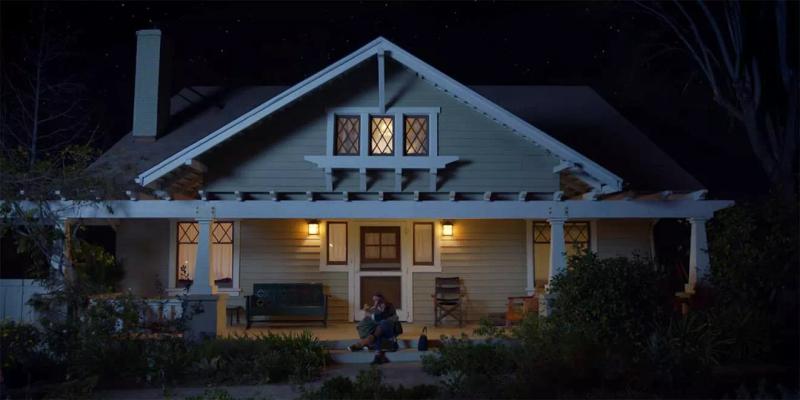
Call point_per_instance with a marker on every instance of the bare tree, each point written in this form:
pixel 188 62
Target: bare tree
pixel 43 107
pixel 747 53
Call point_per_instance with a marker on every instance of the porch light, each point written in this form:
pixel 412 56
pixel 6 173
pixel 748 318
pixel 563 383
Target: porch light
pixel 447 228
pixel 313 228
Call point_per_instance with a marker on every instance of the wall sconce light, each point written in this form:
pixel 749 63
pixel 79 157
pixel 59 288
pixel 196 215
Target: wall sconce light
pixel 313 228
pixel 447 228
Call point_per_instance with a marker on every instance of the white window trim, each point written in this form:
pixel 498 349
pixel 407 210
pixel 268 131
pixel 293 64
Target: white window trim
pixel 323 249
pixel 398 113
pixel 407 269
pixel 172 290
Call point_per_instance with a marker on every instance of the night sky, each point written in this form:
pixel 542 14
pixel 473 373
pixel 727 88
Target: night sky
pixel 617 49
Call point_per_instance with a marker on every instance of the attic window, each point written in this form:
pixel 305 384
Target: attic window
pixel 347 133
pixel 381 136
pixel 416 135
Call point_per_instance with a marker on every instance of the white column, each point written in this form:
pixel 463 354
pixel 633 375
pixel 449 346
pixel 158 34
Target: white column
pixel 558 250
pixel 699 265
pixel 530 271
pixel 202 267
pixel 59 251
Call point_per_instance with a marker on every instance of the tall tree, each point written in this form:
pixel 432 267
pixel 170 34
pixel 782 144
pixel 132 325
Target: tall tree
pixel 43 106
pixel 747 53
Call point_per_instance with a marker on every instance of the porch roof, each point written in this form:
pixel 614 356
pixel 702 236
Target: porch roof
pixel 390 209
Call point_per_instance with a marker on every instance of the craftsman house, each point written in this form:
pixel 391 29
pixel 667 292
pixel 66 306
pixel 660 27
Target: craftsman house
pixel 381 173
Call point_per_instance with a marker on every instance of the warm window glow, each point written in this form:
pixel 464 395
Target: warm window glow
pixel 313 228
pixel 416 136
pixel 221 261
pixel 337 243
pixel 381 136
pixel 447 229
pixel 348 131
pixel 423 243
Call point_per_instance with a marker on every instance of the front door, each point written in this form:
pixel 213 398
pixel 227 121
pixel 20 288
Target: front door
pixel 380 267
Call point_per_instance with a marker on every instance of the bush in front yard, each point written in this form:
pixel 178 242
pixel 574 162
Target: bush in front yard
pixel 616 300
pixel 260 359
pixel 368 385
pixel 472 369
pixel 23 359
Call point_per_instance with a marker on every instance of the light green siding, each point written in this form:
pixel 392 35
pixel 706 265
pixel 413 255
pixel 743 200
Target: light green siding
pixel 280 251
pixel 270 155
pixel 143 250
pixel 624 237
pixel 489 257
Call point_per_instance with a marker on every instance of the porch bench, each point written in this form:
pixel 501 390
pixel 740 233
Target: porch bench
pixel 287 302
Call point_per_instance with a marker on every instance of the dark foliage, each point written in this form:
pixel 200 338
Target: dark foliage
pixel 369 385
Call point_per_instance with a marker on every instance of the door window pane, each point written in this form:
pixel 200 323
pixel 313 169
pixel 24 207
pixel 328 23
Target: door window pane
pixel 380 245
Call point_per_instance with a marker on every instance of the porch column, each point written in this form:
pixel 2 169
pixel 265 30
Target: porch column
pixel 558 250
pixel 699 265
pixel 60 248
pixel 202 266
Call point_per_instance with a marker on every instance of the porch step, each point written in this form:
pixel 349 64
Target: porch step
pixel 366 357
pixel 403 344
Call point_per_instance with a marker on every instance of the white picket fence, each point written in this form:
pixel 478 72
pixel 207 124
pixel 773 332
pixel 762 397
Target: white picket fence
pixel 14 295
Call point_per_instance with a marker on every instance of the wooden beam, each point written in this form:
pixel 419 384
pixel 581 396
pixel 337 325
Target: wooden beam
pixel 381 82
pixel 699 194
pixel 196 165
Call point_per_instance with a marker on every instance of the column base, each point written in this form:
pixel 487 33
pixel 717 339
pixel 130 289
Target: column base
pixel 205 316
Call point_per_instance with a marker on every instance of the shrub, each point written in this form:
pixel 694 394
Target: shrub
pixel 22 356
pixel 754 264
pixel 616 300
pixel 264 358
pixel 368 385
pixel 469 368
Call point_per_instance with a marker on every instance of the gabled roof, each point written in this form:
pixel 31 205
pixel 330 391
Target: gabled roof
pixel 609 180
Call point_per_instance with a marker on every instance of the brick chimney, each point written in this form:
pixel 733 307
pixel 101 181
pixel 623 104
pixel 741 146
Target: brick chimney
pixel 151 88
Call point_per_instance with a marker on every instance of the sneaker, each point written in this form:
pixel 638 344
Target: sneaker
pixel 380 358
pixel 355 347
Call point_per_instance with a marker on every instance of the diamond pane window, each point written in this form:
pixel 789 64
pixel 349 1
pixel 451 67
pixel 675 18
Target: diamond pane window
pixel 221 256
pixel 348 130
pixel 416 139
pixel 381 136
pixel 541 233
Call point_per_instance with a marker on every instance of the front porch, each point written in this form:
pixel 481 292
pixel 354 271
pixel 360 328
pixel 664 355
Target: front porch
pixel 345 332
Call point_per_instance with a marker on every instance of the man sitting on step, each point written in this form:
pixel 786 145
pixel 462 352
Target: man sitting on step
pixel 380 322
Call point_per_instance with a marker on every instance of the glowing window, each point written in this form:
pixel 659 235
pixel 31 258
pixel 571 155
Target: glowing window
pixel 348 131
pixel 221 252
pixel 416 136
pixel 381 136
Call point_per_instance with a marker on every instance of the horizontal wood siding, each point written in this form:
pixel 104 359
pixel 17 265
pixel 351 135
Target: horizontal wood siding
pixel 621 237
pixel 280 251
pixel 270 155
pixel 143 250
pixel 488 256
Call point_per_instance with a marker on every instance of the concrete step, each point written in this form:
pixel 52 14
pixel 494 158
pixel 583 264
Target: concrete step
pixel 403 344
pixel 366 357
